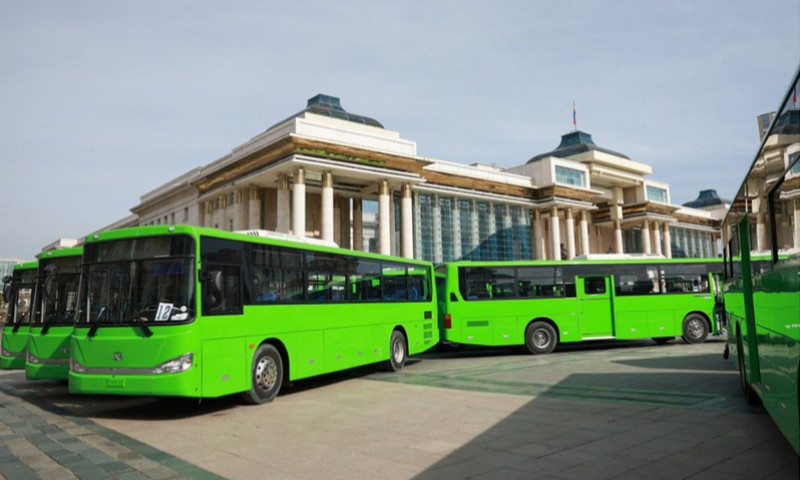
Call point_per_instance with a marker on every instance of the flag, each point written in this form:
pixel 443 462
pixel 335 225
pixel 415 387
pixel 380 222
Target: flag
pixel 574 116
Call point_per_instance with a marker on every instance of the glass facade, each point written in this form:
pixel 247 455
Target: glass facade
pixel 570 176
pixel 469 229
pixel 655 194
pixel 690 243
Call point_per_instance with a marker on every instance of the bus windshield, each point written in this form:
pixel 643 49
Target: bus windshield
pixel 155 283
pixel 59 280
pixel 22 286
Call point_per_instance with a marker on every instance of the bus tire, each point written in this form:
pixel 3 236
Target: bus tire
pixel 398 352
pixel 695 328
pixel 540 337
pixel 266 376
pixel 662 340
pixel 748 393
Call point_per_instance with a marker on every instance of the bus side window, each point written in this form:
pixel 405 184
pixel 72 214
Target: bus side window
pixel 222 290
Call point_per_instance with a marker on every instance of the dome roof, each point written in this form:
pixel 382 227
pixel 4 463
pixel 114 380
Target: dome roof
pixel 331 106
pixel 707 198
pixel 574 143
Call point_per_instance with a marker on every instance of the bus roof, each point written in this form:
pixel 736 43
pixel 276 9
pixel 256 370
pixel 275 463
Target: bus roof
pixel 62 252
pixel 161 230
pixel 33 265
pixel 605 261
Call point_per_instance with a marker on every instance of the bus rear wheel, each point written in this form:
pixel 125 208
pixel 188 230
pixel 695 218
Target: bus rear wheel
pixel 540 337
pixel 266 377
pixel 695 329
pixel 398 352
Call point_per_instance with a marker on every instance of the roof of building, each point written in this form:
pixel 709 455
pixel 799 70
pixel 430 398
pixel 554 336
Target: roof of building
pixel 707 198
pixel 574 143
pixel 331 106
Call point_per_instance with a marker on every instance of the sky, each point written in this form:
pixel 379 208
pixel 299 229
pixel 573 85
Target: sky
pixel 102 102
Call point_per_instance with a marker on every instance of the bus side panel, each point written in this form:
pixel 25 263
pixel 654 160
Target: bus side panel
pixel 222 361
pixel 776 305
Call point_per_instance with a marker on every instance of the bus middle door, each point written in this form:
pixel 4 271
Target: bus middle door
pixel 596 312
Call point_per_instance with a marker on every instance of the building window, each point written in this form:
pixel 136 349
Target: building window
pixel 655 194
pixel 570 176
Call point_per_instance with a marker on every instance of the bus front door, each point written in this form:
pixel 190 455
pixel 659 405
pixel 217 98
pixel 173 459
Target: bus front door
pixel 594 294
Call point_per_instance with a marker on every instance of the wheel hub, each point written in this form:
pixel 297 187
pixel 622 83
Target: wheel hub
pixel 266 373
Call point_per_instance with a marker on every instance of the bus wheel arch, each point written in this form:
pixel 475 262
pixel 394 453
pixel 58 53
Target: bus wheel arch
pixel 268 371
pixel 695 327
pixel 398 350
pixel 541 336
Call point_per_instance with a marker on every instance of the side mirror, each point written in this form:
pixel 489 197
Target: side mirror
pixel 6 291
pixel 212 289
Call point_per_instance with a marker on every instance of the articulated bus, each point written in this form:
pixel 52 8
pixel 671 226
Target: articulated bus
pixel 51 327
pixel 19 292
pixel 542 303
pixel 198 312
pixel 762 299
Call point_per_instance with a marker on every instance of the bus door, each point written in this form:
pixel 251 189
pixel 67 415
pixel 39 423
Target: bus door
pixel 594 295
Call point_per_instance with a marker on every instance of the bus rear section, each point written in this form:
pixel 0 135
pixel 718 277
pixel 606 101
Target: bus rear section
pixel 540 304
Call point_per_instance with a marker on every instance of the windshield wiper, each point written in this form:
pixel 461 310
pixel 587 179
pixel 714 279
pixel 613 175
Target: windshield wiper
pixel 96 324
pixel 142 321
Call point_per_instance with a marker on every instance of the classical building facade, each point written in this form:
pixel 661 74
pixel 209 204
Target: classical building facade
pixel 330 174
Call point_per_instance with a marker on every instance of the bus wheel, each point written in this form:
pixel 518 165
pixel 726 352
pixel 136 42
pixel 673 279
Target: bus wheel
pixel 540 337
pixel 266 377
pixel 695 329
pixel 747 391
pixel 398 352
pixel 662 340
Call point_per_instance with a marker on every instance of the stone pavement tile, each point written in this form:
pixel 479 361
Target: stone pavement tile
pixel 786 473
pixel 505 474
pixel 460 470
pixel 598 470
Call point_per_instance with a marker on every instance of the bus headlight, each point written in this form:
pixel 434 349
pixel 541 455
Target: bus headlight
pixel 176 365
pixel 32 358
pixel 76 367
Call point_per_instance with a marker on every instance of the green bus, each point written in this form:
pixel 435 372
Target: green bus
pixel 540 304
pixel 19 292
pixel 51 328
pixel 762 298
pixel 198 312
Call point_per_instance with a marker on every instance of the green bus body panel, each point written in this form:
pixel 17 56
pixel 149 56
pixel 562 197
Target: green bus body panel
pixel 502 322
pixel 317 338
pixel 15 344
pixel 51 351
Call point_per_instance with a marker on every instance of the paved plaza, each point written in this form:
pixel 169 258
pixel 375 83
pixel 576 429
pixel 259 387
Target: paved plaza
pixel 627 410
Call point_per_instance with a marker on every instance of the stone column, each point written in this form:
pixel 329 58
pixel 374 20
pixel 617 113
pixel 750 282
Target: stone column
pixel 657 237
pixel 407 223
pixel 555 233
pixel 384 218
pixel 667 242
pixel 299 203
pixel 796 215
pixel 282 204
pixel 326 201
pixel 584 228
pixel 254 220
pixel 456 229
pixel 646 237
pixel 219 212
pixel 570 235
pixel 618 248
pixel 236 210
pixel 538 240
pixel 437 229
pixel 358 225
pixel 714 249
